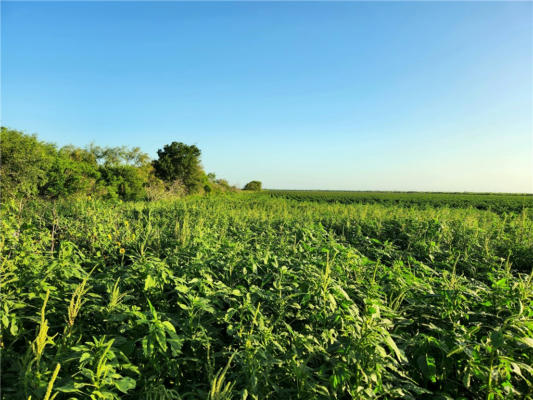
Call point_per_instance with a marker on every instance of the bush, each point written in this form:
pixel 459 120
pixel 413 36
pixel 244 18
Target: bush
pixel 25 163
pixel 157 190
pixel 31 168
pixel 67 176
pixel 253 185
pixel 123 181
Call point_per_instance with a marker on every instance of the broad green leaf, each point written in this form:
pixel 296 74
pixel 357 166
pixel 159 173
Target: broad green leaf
pixel 125 384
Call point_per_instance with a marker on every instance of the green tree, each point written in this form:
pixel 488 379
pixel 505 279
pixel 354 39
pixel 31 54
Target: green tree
pixel 178 161
pixel 253 185
pixel 25 162
pixel 124 172
pixel 123 181
pixel 68 176
pixel 118 155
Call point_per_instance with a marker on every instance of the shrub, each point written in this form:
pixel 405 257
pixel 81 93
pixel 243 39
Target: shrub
pixel 253 185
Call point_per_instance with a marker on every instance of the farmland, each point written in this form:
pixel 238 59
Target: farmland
pixel 496 202
pixel 268 296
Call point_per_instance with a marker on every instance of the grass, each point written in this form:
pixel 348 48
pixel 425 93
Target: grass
pixel 253 297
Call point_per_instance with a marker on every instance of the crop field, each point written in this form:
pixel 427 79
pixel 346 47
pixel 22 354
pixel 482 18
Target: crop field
pixel 496 202
pixel 250 296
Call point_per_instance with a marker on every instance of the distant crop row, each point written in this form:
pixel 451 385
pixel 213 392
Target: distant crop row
pixel 250 297
pixel 499 203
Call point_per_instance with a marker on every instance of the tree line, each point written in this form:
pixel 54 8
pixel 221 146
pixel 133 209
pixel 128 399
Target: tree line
pixel 30 167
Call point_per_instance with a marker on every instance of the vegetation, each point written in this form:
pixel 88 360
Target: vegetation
pixel 31 168
pixel 260 295
pixel 497 202
pixel 24 162
pixel 177 161
pixel 253 185
pixel 249 296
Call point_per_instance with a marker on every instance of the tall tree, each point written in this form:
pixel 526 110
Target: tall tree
pixel 178 161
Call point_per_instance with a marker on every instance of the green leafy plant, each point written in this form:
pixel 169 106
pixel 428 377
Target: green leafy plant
pixel 261 296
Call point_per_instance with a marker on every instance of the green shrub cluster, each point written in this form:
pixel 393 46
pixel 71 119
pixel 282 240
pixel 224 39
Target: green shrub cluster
pixel 248 296
pixel 253 186
pixel 31 168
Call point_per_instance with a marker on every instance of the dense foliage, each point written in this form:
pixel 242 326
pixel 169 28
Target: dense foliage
pixel 246 296
pixel 178 161
pixel 253 185
pixel 32 168
pixel 25 162
pixel 497 202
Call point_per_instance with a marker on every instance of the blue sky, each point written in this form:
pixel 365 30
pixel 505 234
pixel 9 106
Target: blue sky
pixel 362 96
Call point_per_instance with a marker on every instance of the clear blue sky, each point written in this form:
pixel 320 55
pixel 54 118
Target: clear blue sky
pixel 385 96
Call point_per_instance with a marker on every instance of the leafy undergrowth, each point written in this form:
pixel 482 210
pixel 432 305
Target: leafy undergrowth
pixel 246 296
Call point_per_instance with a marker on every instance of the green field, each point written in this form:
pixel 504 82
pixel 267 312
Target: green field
pixel 497 202
pixel 260 296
